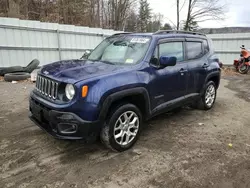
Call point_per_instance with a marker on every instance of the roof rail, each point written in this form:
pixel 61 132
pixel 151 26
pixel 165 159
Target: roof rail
pixel 124 33
pixel 177 31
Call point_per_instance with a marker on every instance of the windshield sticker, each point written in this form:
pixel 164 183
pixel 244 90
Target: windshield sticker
pixel 139 40
pixel 129 61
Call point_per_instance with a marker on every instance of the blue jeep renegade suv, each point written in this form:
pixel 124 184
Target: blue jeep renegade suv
pixel 127 79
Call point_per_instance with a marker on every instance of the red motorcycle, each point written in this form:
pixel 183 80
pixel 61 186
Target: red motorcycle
pixel 242 65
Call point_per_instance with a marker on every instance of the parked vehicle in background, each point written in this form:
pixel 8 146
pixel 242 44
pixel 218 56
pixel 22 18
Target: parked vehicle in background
pixel 127 79
pixel 242 64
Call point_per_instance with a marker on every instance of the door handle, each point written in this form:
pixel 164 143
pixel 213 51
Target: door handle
pixel 205 65
pixel 183 70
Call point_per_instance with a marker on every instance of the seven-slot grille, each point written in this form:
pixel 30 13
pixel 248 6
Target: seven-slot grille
pixel 47 87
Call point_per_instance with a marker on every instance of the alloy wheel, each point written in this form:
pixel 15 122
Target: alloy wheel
pixel 210 95
pixel 126 128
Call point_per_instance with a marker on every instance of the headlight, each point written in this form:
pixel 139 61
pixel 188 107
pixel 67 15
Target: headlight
pixel 69 91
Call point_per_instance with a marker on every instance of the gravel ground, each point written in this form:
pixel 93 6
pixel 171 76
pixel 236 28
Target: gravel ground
pixel 185 149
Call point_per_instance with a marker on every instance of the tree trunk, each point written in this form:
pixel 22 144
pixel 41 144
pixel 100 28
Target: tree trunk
pixel 64 10
pixel 178 14
pixel 103 15
pixel 26 9
pixel 98 15
pixel 14 8
pixel 188 16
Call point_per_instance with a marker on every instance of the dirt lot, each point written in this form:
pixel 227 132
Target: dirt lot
pixel 185 149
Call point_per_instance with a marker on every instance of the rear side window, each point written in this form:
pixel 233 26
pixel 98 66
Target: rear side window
pixel 206 46
pixel 172 49
pixel 194 50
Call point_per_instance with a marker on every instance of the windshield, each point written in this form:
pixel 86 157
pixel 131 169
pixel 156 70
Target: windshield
pixel 121 50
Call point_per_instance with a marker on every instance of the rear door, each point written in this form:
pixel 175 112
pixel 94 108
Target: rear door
pixel 196 52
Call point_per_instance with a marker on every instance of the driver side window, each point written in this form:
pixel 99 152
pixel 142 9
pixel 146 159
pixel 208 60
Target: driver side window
pixel 172 49
pixel 168 49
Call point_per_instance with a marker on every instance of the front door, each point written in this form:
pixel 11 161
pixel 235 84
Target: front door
pixel 169 85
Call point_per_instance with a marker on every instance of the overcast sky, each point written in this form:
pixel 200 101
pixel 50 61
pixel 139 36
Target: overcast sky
pixel 237 12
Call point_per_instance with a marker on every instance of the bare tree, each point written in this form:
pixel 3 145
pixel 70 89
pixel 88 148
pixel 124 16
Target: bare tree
pixel 14 8
pixel 186 27
pixel 178 12
pixel 111 14
pixel 155 23
pixel 203 10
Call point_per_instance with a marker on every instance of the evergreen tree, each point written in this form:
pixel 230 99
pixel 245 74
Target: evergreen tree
pixel 166 26
pixel 144 16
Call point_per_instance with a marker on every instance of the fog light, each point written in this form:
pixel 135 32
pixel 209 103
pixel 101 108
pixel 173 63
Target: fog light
pixel 67 128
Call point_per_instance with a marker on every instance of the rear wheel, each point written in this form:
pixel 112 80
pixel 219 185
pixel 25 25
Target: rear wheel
pixel 208 98
pixel 243 69
pixel 122 128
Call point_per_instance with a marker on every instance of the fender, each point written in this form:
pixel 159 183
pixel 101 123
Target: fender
pixel 121 94
pixel 210 75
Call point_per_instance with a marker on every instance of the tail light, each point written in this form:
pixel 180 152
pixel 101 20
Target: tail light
pixel 215 59
pixel 220 64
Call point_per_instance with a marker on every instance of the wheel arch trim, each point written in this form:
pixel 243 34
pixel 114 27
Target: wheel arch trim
pixel 121 94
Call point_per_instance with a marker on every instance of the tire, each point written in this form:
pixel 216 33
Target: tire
pixel 108 132
pixel 16 76
pixel 245 70
pixel 202 104
pixel 6 70
pixel 31 66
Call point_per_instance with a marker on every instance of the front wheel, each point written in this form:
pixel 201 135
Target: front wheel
pixel 208 97
pixel 122 128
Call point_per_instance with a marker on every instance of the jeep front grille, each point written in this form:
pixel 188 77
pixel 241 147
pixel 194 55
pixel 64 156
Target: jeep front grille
pixel 47 87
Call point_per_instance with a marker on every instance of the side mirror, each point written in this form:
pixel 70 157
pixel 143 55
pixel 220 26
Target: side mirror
pixel 166 61
pixel 86 54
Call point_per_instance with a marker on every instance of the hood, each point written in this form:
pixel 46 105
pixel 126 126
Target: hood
pixel 72 71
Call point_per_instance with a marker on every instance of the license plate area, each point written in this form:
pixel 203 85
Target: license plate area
pixel 36 111
pixel 41 114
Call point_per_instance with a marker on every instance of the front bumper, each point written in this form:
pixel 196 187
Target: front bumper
pixel 63 125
